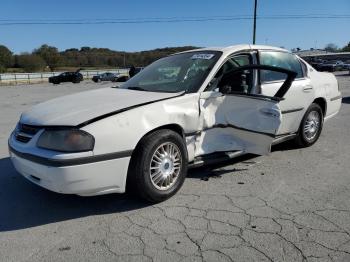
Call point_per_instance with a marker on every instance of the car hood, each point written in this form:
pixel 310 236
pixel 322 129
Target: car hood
pixel 76 109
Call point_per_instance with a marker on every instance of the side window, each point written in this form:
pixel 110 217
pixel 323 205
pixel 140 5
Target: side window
pixel 242 60
pixel 233 63
pixel 241 82
pixel 237 82
pixel 279 59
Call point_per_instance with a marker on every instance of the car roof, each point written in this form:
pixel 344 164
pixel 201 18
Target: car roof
pixel 236 48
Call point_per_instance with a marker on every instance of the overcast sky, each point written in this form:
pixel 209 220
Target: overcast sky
pixel 134 25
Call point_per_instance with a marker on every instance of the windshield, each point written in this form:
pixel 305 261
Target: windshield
pixel 176 73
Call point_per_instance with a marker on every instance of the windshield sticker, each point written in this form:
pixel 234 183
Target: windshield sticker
pixel 203 56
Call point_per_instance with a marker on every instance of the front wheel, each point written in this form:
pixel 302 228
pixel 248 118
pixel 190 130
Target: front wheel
pixel 310 126
pixel 159 166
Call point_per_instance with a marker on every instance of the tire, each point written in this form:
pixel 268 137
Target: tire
pixel 76 81
pixel 146 178
pixel 314 119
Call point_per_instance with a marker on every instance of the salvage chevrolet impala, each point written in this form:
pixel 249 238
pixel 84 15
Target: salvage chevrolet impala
pixel 184 110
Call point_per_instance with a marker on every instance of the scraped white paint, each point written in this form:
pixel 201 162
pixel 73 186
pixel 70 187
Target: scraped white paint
pixel 221 114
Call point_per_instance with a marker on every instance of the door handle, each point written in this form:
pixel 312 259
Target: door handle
pixel 270 112
pixel 307 88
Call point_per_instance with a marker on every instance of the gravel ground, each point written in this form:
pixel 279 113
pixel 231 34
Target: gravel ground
pixel 292 205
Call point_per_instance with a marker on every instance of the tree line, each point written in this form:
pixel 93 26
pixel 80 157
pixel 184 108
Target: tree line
pixel 49 58
pixel 331 47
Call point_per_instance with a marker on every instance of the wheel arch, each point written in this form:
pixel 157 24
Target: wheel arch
pixel 174 127
pixel 322 103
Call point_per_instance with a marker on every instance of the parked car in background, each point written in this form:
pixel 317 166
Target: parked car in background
pixel 138 69
pixel 331 66
pixel 105 77
pixel 134 70
pixel 316 63
pixel 74 77
pixel 346 65
pixel 188 109
pixel 111 77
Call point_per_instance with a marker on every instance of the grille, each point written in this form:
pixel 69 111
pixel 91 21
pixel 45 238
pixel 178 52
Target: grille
pixel 24 133
pixel 23 139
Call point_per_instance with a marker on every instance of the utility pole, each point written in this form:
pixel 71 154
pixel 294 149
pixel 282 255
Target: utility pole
pixel 254 26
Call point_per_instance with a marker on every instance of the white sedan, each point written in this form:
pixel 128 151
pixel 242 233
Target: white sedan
pixel 187 109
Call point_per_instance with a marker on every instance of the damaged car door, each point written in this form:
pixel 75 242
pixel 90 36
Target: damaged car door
pixel 233 118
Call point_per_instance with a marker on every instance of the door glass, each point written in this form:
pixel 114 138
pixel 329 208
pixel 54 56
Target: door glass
pixel 242 82
pixel 279 59
pixel 242 60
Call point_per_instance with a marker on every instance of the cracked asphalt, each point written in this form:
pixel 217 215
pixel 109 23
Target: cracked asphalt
pixel 293 205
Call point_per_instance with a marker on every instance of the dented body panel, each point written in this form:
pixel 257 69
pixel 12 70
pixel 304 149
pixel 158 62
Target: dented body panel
pixel 237 123
pixel 182 111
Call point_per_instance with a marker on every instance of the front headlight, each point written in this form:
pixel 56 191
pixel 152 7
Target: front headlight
pixel 66 140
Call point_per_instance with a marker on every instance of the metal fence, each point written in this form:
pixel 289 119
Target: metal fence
pixel 17 78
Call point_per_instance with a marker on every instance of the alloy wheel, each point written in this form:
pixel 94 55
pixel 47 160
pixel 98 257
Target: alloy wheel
pixel 312 125
pixel 165 166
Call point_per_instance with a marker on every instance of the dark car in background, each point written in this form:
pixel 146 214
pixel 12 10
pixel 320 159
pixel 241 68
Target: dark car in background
pixel 331 66
pixel 317 63
pixel 106 77
pixel 346 65
pixel 138 69
pixel 110 77
pixel 74 77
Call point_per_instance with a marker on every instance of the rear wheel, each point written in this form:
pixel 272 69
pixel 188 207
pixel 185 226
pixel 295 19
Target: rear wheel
pixel 310 126
pixel 159 166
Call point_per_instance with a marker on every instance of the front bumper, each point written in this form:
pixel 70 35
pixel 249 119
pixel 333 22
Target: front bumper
pixel 93 178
